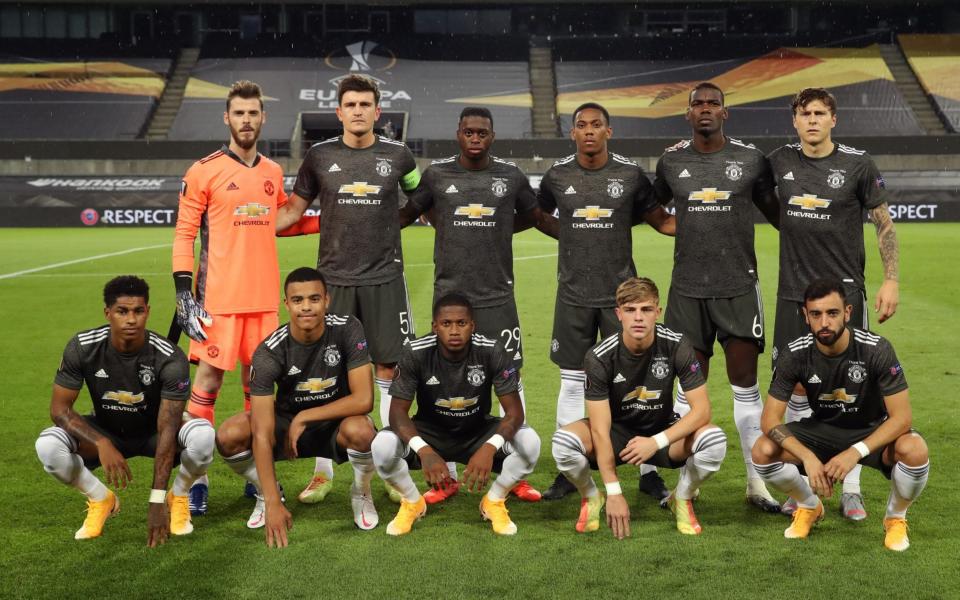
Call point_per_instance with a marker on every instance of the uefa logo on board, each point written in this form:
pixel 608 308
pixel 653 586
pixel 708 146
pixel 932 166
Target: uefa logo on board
pixel 89 216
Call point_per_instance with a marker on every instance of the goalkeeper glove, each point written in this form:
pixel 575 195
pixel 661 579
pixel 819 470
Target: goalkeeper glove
pixel 190 314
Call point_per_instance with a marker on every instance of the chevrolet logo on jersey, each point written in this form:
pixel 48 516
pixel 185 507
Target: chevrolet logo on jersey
pixel 838 395
pixel 809 202
pixel 252 209
pixel 123 397
pixel 359 189
pixel 642 394
pixel 593 213
pixel 315 385
pixel 458 403
pixel 474 211
pixel 709 195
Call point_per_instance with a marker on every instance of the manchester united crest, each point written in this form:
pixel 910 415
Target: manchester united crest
pixel 734 171
pixel 856 373
pixel 835 179
pixel 383 167
pixel 660 368
pixel 615 188
pixel 268 188
pixel 499 187
pixel 475 375
pixel 146 375
pixel 331 356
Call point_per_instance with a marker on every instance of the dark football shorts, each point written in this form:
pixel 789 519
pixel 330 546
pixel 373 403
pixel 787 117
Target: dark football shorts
pixel 703 320
pixel 502 323
pixel 384 311
pixel 145 445
pixel 790 323
pixel 575 331
pixel 826 441
pixel 318 439
pixel 621 434
pixel 460 447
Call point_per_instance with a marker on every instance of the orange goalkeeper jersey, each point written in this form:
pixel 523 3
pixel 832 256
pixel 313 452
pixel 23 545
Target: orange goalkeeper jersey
pixel 234 207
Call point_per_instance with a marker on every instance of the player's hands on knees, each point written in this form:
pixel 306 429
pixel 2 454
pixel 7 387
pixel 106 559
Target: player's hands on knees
pixel 278 523
pixel 888 297
pixel 114 465
pixel 638 450
pixel 841 464
pixel 158 524
pixel 297 428
pixel 618 516
pixel 477 473
pixel 822 484
pixel 434 469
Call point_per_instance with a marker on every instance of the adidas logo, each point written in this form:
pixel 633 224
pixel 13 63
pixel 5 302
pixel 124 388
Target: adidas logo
pixel 788 176
pixel 433 381
pixel 101 374
pixel 517 356
pixel 684 173
pixel 814 379
pixel 334 168
pixel 619 378
pixel 232 187
pixel 293 370
pixel 570 191
pixel 453 189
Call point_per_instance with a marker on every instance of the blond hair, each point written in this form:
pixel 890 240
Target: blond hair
pixel 245 89
pixel 637 289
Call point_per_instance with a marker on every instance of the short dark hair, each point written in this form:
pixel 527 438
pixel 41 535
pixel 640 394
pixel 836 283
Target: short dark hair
pixel 706 85
pixel 594 105
pixel 304 274
pixel 125 285
pixel 823 287
pixel 808 95
pixel 358 83
pixel 245 89
pixel 452 299
pixel 475 111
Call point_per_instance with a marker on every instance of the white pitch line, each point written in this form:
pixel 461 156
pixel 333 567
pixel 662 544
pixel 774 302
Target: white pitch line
pixel 80 260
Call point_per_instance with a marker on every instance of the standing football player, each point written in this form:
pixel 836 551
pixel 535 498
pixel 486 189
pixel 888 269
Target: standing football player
pixel 138 382
pixel 824 187
pixel 599 196
pixel 714 181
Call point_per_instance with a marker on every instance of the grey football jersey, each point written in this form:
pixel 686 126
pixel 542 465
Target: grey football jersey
pixel 846 390
pixel 714 195
pixel 639 387
pixel 359 202
pixel 126 389
pixel 454 395
pixel 309 375
pixel 821 215
pixel 474 213
pixel 596 212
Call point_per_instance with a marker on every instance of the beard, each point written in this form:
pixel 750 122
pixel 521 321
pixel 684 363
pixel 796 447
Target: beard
pixel 828 337
pixel 245 144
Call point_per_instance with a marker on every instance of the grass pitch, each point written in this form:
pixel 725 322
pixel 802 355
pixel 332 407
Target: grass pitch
pixel 451 553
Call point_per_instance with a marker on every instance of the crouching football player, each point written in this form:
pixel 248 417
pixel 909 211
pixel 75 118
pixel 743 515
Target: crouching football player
pixel 138 382
pixel 311 394
pixel 861 415
pixel 451 374
pixel 629 397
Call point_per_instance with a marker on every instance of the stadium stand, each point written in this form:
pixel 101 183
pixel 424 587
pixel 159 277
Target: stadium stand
pixel 935 58
pixel 103 99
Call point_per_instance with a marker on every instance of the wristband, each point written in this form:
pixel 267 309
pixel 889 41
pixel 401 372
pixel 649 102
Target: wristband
pixel 417 443
pixel 497 441
pixel 158 496
pixel 183 281
pixel 661 440
pixel 861 449
pixel 613 489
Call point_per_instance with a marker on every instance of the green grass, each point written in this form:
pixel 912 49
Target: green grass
pixel 741 553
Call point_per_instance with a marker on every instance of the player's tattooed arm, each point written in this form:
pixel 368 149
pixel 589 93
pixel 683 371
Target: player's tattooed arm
pixel 63 416
pixel 887 240
pixel 779 433
pixel 168 424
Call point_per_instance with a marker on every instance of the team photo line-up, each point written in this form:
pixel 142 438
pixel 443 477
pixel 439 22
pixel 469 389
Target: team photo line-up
pixel 632 389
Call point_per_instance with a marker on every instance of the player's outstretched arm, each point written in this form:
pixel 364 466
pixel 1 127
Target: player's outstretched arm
pixel 262 422
pixel 888 297
pixel 168 424
pixel 115 467
pixel 358 402
pixel 290 212
pixel 618 511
